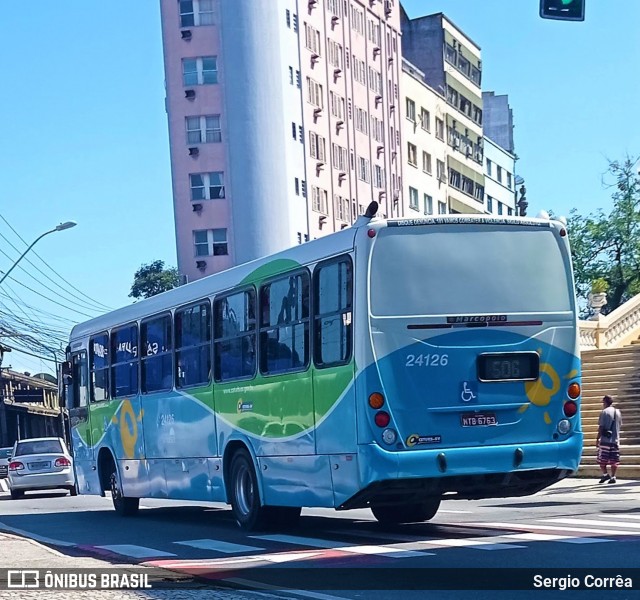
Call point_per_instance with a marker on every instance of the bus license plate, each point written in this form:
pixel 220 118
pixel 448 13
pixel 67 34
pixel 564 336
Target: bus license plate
pixel 478 419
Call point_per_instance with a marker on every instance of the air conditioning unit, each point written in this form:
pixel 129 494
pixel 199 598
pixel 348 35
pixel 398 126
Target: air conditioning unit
pixel 456 142
pixel 194 151
pixel 186 34
pixel 189 94
pixel 197 207
pixel 201 264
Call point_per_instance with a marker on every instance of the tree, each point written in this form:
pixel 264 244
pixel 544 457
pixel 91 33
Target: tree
pixel 607 246
pixel 152 279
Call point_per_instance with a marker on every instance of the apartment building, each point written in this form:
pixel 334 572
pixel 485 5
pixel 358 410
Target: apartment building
pixel 451 64
pixel 425 190
pixel 284 122
pixel 499 179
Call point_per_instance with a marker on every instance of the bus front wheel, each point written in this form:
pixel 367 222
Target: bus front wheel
pixel 245 496
pixel 406 513
pixel 125 507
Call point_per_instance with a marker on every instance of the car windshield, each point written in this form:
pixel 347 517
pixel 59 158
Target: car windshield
pixel 38 447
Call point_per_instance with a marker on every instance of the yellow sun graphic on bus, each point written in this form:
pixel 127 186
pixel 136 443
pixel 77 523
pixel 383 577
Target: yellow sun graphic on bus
pixel 128 427
pixel 541 391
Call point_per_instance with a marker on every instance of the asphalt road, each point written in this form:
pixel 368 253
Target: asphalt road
pixel 574 525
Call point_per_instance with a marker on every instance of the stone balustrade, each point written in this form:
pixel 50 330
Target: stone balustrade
pixel 618 328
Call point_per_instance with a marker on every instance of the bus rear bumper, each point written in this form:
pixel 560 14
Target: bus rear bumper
pixel 462 473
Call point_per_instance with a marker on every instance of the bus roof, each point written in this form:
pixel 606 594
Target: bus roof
pixel 313 251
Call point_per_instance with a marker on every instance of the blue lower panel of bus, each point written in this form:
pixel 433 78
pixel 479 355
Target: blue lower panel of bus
pixel 498 471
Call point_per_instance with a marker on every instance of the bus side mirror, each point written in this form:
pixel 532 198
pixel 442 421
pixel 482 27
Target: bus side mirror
pixel 64 381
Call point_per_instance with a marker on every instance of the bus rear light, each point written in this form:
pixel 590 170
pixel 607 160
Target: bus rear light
pixel 371 233
pixel 62 462
pixel 564 426
pixel 573 391
pixel 376 400
pixel 570 408
pixel 382 418
pixel 16 465
pixel 389 436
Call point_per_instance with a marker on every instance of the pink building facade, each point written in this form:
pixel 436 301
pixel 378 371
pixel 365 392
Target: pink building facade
pixel 284 122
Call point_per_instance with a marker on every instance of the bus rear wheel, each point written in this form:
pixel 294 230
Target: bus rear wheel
pixel 406 513
pixel 245 500
pixel 125 507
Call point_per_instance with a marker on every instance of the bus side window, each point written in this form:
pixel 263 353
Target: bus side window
pixel 284 326
pixel 99 367
pixel 333 298
pixel 193 345
pixel 79 396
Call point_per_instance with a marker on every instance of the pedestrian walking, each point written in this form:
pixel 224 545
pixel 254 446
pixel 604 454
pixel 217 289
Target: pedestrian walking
pixel 608 440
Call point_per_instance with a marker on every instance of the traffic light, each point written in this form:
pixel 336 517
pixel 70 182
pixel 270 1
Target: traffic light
pixel 565 10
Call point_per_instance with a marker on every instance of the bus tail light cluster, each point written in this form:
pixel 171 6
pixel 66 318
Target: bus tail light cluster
pixel 382 418
pixel 16 465
pixel 570 407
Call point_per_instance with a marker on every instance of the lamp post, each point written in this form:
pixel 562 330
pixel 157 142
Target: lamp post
pixel 61 227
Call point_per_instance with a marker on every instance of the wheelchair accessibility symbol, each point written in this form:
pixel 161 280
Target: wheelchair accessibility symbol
pixel 469 391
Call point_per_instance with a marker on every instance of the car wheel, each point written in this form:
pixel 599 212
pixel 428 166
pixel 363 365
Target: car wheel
pixel 125 507
pixel 73 490
pixel 17 494
pixel 406 513
pixel 245 496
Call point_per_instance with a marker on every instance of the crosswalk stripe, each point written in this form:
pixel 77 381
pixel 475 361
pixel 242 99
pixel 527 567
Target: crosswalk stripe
pixel 594 522
pixel 525 527
pixel 389 551
pixel 134 551
pixel 219 546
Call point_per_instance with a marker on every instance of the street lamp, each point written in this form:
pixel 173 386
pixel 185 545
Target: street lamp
pixel 61 227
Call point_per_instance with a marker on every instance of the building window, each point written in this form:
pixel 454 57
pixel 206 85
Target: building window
pixel 509 211
pixel 193 345
pixel 413 198
pixel 340 158
pixel 319 200
pixel 341 208
pixel 442 208
pixel 207 186
pixel 284 324
pixel 363 169
pixel 295 22
pixel 312 39
pixel 509 183
pixel 426 162
pixel 425 119
pixel 196 12
pixel 439 129
pixel 291 75
pixel 499 208
pixel 294 131
pixel 297 186
pixel 235 335
pixel 411 110
pixel 428 205
pixel 440 170
pixel 317 146
pixel 314 93
pixel 489 167
pixel 499 173
pixel 335 54
pixel 210 242
pixel 288 18
pixel 337 105
pixel 203 130
pixel 378 177
pixel 200 71
pixel 490 204
pixel 412 154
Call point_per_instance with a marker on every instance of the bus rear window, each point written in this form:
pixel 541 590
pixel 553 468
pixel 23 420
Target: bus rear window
pixel 449 271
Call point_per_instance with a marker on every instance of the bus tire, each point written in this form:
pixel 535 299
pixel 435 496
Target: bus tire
pixel 125 507
pixel 245 495
pixel 406 513
pixel 287 517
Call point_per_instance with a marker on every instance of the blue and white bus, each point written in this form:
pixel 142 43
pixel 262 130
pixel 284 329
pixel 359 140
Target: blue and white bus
pixel 388 365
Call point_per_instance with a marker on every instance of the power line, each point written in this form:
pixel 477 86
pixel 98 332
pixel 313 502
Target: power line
pixel 96 302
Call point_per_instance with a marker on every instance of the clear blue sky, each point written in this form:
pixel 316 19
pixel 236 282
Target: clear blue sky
pixel 83 131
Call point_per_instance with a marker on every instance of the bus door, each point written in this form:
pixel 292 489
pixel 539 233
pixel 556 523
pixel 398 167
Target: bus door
pixel 332 331
pixel 79 432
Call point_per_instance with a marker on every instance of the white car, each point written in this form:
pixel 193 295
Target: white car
pixel 5 453
pixel 41 464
